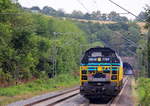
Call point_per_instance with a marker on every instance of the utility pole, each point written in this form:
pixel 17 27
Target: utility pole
pixel 54 53
pixel 148 52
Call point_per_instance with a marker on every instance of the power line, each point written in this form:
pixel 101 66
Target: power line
pixel 95 4
pixel 123 13
pixel 133 43
pixel 127 10
pixel 83 6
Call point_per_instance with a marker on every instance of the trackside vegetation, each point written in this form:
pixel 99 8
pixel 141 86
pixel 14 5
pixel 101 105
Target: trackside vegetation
pixel 24 91
pixel 33 46
pixel 143 82
pixel 38 53
pixel 143 91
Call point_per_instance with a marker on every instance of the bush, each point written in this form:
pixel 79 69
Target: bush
pixel 61 81
pixel 5 78
pixel 144 91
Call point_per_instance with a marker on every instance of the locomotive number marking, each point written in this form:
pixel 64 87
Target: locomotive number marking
pixel 99 79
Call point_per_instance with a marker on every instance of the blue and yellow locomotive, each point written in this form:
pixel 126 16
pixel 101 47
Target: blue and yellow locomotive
pixel 101 73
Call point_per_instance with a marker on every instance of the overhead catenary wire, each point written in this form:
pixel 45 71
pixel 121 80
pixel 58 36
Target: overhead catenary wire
pixel 83 5
pixel 127 39
pixel 127 11
pixel 133 43
pixel 132 15
pixel 94 1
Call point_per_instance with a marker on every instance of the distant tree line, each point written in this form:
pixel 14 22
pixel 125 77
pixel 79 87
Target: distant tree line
pixel 122 37
pixel 95 15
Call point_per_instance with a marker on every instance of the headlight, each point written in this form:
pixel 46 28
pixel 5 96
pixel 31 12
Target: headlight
pixel 114 77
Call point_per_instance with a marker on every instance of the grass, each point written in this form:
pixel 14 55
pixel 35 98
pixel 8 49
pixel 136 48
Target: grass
pixel 134 92
pixel 37 87
pixel 142 91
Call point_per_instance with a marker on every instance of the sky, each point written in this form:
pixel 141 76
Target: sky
pixel 134 6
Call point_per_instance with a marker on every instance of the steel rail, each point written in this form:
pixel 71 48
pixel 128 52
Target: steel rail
pixel 55 96
pixel 111 102
pixel 116 99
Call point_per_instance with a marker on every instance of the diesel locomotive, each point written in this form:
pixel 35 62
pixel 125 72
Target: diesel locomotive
pixel 101 73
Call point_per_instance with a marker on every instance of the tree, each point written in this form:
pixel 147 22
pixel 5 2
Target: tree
pixel 96 15
pixel 113 16
pixel 27 41
pixel 148 44
pixel 60 13
pixel 36 8
pixel 104 17
pixel 77 14
pixel 87 16
pixel 141 16
pixel 49 11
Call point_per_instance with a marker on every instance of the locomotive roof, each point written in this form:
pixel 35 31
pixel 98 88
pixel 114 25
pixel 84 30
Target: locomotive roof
pixel 102 49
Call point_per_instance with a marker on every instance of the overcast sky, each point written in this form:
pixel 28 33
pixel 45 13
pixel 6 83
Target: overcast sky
pixel 135 6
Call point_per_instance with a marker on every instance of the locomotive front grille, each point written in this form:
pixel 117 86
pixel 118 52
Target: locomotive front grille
pixel 114 72
pixel 106 71
pixel 97 83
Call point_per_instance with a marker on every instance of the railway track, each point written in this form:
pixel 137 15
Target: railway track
pixel 53 100
pixel 114 100
pixel 117 98
pixel 66 95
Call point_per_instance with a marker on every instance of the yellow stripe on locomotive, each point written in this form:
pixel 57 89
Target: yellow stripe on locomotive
pixel 118 73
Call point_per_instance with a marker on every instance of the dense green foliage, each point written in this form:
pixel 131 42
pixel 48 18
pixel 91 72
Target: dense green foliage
pixel 121 37
pixel 148 45
pixel 34 45
pixel 144 50
pixel 143 54
pixel 144 91
pixel 22 91
pixel 58 82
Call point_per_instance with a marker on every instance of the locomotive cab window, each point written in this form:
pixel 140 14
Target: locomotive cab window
pixel 96 54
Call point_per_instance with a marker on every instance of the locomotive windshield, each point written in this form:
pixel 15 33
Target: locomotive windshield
pixel 96 54
pixel 103 54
